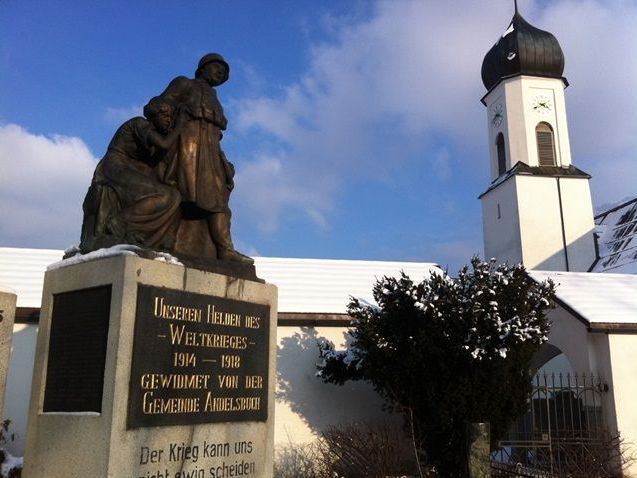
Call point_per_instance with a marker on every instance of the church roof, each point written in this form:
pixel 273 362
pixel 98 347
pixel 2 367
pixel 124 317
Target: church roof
pixel 617 239
pixel 597 299
pixel 523 169
pixel 522 50
pixel 305 285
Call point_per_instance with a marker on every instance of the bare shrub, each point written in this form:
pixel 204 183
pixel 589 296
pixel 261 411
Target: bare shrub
pixel 299 461
pixel 599 454
pixel 603 455
pixel 368 450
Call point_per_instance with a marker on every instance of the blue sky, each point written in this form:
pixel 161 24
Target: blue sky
pixel 355 126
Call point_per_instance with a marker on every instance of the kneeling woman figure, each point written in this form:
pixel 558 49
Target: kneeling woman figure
pixel 129 200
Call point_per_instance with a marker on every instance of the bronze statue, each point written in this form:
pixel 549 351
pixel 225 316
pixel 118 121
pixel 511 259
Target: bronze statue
pixel 165 182
pixel 204 176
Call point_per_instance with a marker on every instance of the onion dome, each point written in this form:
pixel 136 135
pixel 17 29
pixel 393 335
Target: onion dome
pixel 522 50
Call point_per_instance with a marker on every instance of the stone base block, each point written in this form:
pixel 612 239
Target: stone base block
pixel 150 370
pixel 7 316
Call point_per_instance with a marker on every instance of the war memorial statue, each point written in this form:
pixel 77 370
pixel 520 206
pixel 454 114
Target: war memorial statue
pixel 164 182
pixel 147 366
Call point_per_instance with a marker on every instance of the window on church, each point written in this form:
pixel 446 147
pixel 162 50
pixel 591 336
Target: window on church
pixel 499 143
pixel 545 144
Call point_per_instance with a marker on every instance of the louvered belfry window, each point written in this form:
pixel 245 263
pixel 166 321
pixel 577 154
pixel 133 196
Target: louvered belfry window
pixel 545 144
pixel 499 143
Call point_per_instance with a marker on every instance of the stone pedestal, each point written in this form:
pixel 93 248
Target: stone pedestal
pixel 145 369
pixel 478 450
pixel 7 316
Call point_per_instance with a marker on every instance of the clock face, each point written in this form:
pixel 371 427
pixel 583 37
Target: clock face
pixel 542 104
pixel 497 114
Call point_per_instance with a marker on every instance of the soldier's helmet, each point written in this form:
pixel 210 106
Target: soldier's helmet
pixel 216 58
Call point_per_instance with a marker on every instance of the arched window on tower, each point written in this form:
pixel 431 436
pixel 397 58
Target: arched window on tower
pixel 545 144
pixel 499 144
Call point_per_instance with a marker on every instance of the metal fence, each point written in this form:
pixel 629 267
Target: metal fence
pixel 562 434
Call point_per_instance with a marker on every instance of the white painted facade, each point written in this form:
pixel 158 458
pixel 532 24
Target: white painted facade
pixel 623 360
pixel 544 221
pixel 517 99
pixel 305 405
pixel 578 221
pixel 500 220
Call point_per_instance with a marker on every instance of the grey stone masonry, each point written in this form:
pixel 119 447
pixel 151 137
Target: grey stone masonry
pixel 7 316
pixel 149 369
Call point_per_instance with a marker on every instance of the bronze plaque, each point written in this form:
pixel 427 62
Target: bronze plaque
pixel 77 351
pixel 197 359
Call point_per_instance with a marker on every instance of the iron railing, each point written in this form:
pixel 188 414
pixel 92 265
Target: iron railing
pixel 562 434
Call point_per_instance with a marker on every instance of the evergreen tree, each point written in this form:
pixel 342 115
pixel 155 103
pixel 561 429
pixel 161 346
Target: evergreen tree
pixel 447 351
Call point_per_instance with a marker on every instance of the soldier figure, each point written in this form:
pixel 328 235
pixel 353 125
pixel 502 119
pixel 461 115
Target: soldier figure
pixel 203 175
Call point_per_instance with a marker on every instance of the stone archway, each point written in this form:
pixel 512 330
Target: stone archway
pixel 569 335
pixel 546 353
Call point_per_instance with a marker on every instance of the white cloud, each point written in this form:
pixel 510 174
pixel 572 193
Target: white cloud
pixel 265 193
pixel 369 101
pixel 246 248
pixel 598 39
pixel 384 88
pixel 441 164
pixel 42 187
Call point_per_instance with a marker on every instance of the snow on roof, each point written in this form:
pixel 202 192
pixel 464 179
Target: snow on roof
pixel 617 239
pixel 596 297
pixel 23 271
pixel 509 30
pixel 325 285
pixel 305 285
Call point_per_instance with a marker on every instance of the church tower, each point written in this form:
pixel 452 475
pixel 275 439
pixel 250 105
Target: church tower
pixel 537 209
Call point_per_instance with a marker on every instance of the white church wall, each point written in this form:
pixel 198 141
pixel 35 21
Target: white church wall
pixel 517 135
pixel 305 405
pixel 552 89
pixel 591 353
pixel 522 222
pixel 598 347
pixel 554 214
pixel 517 99
pixel 540 223
pixel 568 334
pixel 499 222
pixel 495 98
pixel 579 224
pixel 506 97
pixel 623 357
